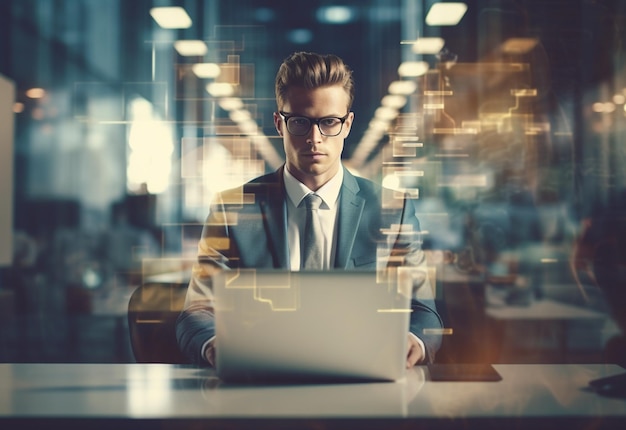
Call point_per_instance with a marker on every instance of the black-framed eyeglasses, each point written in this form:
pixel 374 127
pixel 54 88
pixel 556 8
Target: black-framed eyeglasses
pixel 300 125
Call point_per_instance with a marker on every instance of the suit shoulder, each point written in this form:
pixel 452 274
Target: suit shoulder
pixel 268 178
pixel 269 181
pixel 368 186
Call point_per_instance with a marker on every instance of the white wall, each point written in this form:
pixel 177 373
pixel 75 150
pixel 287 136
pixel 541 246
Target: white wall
pixel 7 99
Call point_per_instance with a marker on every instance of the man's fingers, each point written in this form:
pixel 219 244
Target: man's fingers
pixel 415 353
pixel 210 353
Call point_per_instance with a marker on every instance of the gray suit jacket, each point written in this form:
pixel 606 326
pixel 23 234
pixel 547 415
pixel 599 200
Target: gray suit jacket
pixel 247 228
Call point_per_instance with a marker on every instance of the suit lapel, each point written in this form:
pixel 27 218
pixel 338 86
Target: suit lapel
pixel 273 207
pixel 350 211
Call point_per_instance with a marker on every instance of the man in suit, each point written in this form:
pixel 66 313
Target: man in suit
pixel 261 224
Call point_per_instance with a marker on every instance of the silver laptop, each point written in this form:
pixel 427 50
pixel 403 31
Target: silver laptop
pixel 309 326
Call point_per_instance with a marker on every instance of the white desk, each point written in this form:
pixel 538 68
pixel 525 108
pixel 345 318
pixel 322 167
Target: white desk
pixel 117 396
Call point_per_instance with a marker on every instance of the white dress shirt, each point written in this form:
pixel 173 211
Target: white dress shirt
pixel 296 216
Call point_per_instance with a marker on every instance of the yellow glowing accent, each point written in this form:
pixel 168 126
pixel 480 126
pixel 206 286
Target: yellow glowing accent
pixel 220 89
pixel 240 116
pixel 151 146
pixel 408 141
pixel 442 331
pixel 396 163
pixel 146 321
pixel 398 229
pixel 428 45
pixel 519 45
pixel 35 93
pixel 600 107
pixel 452 155
pixel 293 298
pixel 218 242
pixel 391 182
pixel 438 93
pixel 274 307
pixel 385 113
pixel 455 131
pixel 413 68
pixel 231 103
pixel 190 48
pixel 549 260
pixel 410 173
pixel 18 107
pixel 402 87
pixel 524 92
pixel 446 13
pixel 469 180
pixel 171 17
pixel 393 101
pixel 206 70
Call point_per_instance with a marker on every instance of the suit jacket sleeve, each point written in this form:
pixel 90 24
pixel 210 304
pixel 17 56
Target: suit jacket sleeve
pixel 425 321
pixel 196 323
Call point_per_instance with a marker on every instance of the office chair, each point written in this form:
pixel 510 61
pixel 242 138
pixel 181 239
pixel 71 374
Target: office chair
pixel 152 312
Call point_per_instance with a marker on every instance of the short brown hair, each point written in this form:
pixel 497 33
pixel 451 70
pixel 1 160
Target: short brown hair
pixel 310 70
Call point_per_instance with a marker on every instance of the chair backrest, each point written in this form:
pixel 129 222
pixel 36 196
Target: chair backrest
pixel 152 313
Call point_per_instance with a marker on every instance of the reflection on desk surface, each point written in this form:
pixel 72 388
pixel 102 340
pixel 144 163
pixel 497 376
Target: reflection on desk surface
pixel 544 309
pixel 168 392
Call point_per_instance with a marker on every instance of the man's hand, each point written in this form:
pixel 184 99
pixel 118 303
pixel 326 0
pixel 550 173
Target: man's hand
pixel 209 352
pixel 415 353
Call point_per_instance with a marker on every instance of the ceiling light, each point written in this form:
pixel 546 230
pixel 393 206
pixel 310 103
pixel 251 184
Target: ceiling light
pixel 609 107
pixel 393 101
pixel 335 14
pixel 190 48
pixel 240 115
pixel 428 45
pixel 606 107
pixel 385 113
pixel 264 14
pixel 413 68
pixel 231 103
pixel 206 70
pixel 377 124
pixel 300 36
pixel 402 87
pixel 171 17
pixel 220 89
pixel 35 93
pixel 446 13
pixel 248 127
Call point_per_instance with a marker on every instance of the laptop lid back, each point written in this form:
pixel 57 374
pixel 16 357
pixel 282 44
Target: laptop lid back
pixel 337 325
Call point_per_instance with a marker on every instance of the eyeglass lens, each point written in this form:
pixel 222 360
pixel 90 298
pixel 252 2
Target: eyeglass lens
pixel 300 126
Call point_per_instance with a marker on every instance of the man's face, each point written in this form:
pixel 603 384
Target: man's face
pixel 314 158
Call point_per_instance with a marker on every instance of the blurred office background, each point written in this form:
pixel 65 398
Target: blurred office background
pixel 504 119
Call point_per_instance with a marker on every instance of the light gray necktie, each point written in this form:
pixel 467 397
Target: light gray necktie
pixel 311 240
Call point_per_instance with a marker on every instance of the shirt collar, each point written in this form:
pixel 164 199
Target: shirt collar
pixel 329 192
